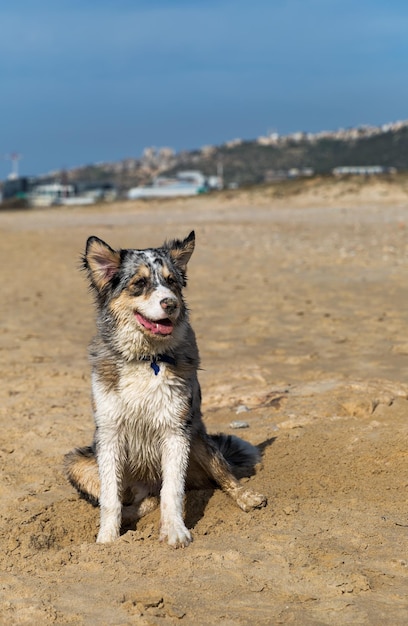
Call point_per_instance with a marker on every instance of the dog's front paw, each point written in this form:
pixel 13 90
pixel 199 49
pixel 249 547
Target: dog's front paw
pixel 107 535
pixel 248 500
pixel 176 534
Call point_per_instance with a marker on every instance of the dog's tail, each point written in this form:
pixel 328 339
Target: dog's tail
pixel 241 455
pixel 82 472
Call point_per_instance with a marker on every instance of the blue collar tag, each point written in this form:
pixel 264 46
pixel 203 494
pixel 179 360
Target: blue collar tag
pixel 164 358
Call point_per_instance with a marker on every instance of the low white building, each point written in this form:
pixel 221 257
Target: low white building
pixel 49 194
pixel 187 183
pixel 56 193
pixel 362 170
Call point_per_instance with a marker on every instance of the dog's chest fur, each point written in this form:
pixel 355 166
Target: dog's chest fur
pixel 143 409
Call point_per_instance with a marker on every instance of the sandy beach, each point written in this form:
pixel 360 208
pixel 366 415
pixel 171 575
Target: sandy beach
pixel 300 309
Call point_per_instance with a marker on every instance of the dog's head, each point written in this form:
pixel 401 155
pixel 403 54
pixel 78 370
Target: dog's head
pixel 139 292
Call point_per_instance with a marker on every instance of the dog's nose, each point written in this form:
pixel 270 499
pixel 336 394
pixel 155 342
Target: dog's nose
pixel 169 305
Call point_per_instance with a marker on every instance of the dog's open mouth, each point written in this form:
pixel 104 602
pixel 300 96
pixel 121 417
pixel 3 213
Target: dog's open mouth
pixel 160 327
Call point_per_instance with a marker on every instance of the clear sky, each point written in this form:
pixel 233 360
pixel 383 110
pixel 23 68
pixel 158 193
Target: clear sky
pixel 83 81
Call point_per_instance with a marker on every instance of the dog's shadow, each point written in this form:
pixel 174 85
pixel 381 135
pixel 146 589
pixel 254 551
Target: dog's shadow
pixel 197 499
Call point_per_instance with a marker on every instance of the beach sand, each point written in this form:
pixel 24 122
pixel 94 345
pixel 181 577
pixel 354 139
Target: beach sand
pixel 300 310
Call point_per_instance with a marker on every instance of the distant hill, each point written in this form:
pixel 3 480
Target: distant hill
pixel 249 162
pixel 261 160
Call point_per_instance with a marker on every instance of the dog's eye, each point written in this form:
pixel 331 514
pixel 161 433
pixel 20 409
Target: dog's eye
pixel 138 284
pixel 171 280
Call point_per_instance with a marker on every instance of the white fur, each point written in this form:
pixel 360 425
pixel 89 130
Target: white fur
pixel 143 418
pixel 175 453
pixel 152 308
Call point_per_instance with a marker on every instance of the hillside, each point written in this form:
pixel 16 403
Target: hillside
pixel 265 159
pixel 249 162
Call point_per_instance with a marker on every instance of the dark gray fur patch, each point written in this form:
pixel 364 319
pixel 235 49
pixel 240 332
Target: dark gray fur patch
pixel 154 259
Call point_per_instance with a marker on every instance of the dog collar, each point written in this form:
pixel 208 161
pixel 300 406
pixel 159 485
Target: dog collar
pixel 155 360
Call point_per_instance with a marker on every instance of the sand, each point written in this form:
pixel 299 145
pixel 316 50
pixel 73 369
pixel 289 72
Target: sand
pixel 299 306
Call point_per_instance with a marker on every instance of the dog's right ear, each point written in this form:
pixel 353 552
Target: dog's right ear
pixel 101 261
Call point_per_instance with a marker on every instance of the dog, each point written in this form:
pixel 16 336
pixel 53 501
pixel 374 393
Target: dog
pixel 150 438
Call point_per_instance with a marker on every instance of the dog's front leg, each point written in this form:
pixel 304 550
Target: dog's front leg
pixel 175 454
pixel 111 476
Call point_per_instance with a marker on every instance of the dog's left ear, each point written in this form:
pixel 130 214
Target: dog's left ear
pixel 181 251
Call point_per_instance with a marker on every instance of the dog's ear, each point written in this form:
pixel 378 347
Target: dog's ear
pixel 181 251
pixel 101 261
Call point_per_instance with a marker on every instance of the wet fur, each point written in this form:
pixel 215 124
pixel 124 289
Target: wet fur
pixel 150 439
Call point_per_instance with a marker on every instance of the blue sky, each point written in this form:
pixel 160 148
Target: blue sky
pixel 84 81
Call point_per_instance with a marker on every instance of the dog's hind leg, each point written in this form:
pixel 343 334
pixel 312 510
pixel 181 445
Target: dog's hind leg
pixel 206 455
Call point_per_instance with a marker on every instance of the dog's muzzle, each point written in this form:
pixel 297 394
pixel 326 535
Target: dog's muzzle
pixel 169 305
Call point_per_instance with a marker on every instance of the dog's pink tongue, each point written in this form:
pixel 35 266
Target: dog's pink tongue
pixel 161 327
